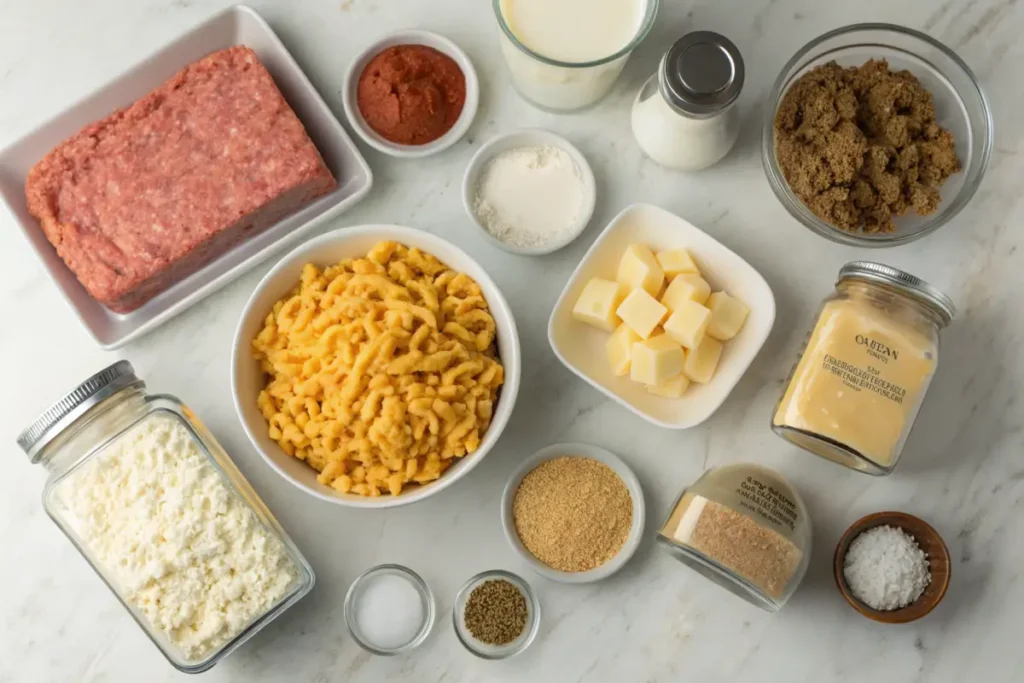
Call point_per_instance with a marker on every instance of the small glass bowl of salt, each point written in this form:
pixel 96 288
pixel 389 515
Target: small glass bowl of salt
pixel 389 610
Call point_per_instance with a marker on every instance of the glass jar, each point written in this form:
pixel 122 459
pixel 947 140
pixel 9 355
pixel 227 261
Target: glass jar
pixel 151 500
pixel 745 528
pixel 859 382
pixel 685 115
pixel 564 86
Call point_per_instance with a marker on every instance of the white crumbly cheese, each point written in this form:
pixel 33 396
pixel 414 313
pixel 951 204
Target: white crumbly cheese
pixel 886 569
pixel 185 549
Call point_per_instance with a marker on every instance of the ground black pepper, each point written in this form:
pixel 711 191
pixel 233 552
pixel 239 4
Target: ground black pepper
pixel 496 612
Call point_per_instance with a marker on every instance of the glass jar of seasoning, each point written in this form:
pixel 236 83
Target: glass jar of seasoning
pixel 745 528
pixel 685 115
pixel 154 504
pixel 858 385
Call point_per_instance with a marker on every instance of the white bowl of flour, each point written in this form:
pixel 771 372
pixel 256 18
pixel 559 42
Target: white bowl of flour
pixel 529 191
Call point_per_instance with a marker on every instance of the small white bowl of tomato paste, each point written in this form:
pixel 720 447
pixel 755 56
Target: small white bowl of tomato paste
pixel 411 94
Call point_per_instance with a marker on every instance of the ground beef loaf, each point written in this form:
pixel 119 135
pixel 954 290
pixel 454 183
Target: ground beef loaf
pixel 147 196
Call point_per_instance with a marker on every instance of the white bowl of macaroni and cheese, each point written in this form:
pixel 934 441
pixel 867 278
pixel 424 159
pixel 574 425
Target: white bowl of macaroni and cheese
pixel 375 366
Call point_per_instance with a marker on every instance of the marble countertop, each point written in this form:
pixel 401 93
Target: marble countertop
pixel 963 469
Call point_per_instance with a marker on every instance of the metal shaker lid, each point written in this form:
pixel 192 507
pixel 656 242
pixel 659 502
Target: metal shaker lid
pixel 76 403
pixel 909 285
pixel 701 74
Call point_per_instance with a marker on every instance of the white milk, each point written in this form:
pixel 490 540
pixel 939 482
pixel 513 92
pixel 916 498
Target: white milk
pixel 573 32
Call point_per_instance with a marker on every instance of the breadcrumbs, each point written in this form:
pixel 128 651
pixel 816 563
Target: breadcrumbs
pixel 573 513
pixel 860 145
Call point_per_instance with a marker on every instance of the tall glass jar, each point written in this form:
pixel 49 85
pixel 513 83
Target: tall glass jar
pixel 131 477
pixel 563 85
pixel 859 383
pixel 685 116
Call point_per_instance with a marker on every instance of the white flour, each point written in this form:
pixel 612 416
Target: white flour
pixel 530 197
pixel 886 569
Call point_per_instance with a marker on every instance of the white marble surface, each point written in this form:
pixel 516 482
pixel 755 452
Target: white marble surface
pixel 655 621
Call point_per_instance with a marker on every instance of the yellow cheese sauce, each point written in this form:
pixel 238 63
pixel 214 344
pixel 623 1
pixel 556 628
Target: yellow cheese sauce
pixel 859 382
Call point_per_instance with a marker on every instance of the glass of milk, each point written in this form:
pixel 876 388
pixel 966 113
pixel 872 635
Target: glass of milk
pixel 565 55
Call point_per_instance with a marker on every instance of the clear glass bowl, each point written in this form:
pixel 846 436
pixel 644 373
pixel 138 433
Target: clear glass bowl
pixel 484 650
pixel 561 87
pixel 355 592
pixel 960 106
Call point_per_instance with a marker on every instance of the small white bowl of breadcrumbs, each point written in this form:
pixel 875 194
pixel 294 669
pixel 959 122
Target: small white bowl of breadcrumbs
pixel 574 512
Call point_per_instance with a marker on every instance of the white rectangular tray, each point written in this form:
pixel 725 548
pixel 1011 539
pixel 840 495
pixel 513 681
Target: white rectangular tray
pixel 238 25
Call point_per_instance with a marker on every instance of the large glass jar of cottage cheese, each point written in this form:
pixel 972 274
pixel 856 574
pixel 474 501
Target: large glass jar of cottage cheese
pixel 155 505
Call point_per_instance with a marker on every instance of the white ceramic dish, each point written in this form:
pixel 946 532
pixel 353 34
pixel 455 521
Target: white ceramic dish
pixel 247 378
pixel 587 451
pixel 238 25
pixel 529 138
pixel 411 37
pixel 582 348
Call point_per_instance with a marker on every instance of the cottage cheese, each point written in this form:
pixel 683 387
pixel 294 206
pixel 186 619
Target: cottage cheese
pixel 183 547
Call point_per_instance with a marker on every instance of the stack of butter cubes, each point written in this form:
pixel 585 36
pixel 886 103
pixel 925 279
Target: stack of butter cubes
pixel 664 337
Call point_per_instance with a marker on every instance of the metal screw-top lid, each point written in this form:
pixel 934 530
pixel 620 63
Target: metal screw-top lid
pixel 905 283
pixel 64 412
pixel 701 74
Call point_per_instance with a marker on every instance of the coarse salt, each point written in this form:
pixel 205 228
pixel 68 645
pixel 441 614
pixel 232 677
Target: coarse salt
pixel 530 197
pixel 886 569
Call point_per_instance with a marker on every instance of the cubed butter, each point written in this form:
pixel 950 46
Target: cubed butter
pixel 727 316
pixel 598 303
pixel 620 347
pixel 641 312
pixel 656 360
pixel 685 287
pixel 688 323
pixel 702 361
pixel 677 262
pixel 671 388
pixel 639 269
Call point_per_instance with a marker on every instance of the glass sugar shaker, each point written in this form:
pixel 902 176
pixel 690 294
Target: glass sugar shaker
pixel 685 115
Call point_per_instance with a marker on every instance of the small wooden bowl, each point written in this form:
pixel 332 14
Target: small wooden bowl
pixel 929 541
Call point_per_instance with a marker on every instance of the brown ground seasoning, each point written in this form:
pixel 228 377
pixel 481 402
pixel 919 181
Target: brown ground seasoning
pixel 860 145
pixel 496 612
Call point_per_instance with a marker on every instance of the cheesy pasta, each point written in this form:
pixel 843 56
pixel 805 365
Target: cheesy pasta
pixel 381 370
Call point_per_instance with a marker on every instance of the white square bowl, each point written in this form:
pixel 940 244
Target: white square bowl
pixel 582 347
pixel 238 25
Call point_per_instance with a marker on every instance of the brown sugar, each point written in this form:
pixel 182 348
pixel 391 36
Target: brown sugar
pixel 859 145
pixel 573 513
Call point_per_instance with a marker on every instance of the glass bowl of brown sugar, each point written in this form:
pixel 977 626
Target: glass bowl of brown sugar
pixel 875 135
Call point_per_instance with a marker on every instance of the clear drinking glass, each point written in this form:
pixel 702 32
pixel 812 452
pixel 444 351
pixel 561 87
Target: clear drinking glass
pixel 558 86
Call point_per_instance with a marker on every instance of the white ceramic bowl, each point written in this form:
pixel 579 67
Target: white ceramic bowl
pixel 529 138
pixel 247 378
pixel 411 37
pixel 582 347
pixel 587 451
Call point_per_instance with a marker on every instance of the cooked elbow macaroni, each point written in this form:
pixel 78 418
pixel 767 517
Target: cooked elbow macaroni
pixel 381 370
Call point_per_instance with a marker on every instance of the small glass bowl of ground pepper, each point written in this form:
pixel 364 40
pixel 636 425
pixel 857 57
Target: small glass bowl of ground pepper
pixel 411 94
pixel 496 614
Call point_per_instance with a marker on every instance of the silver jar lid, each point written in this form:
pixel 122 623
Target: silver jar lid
pixel 701 74
pixel 905 283
pixel 76 403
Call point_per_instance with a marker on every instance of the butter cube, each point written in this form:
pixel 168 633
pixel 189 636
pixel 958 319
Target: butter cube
pixel 702 361
pixel 686 287
pixel 688 323
pixel 727 315
pixel 656 360
pixel 598 302
pixel 677 262
pixel 641 312
pixel 639 269
pixel 671 388
pixel 620 348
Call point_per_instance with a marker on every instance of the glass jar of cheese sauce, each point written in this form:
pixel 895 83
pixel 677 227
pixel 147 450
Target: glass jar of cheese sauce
pixel 859 383
pixel 133 472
